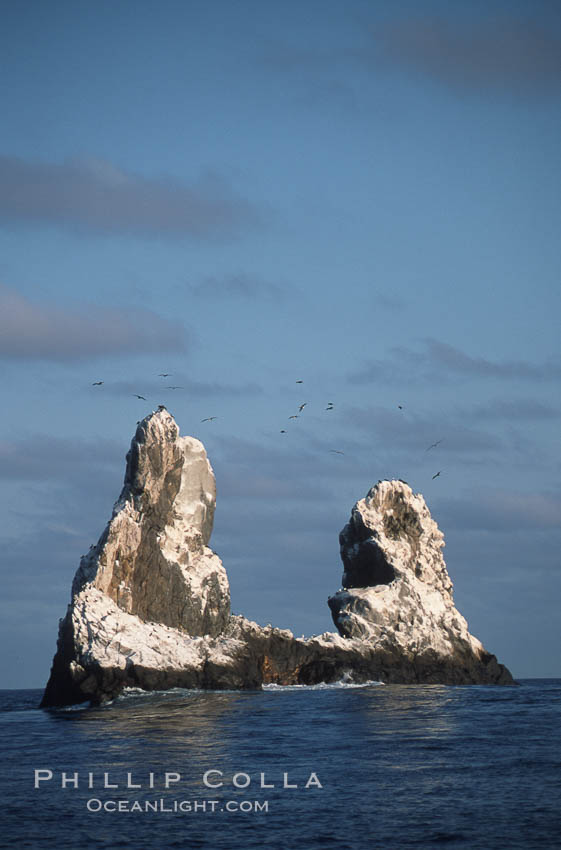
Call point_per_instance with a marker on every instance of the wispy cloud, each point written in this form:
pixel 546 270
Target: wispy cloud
pixel 497 510
pixel 384 301
pixel 439 359
pixel 416 433
pixel 92 195
pixel 477 51
pixel 237 286
pixel 454 360
pixel 514 410
pixel 176 387
pixel 30 330
pixel 45 458
pixel 466 49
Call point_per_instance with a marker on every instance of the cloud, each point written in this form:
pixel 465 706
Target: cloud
pixel 440 360
pixel 454 360
pixel 416 432
pixel 466 51
pixel 250 469
pixel 237 286
pixel 45 458
pixel 31 331
pixel 502 511
pixel 176 387
pixel 90 195
pixel 516 410
pixel 388 302
pixel 479 53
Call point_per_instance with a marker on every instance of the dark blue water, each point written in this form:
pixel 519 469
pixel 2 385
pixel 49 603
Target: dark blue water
pixel 400 766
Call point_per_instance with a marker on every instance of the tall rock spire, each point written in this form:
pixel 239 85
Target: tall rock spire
pixel 152 560
pixel 396 589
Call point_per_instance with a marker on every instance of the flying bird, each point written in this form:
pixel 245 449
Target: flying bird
pixel 299 382
pixel 295 416
pixel 437 474
pixel 400 406
pixel 434 445
pixel 139 396
pixel 174 388
pixel 209 419
pixel 97 383
pixel 336 452
pixel 283 431
pixel 164 375
pixel 329 405
pixel 302 406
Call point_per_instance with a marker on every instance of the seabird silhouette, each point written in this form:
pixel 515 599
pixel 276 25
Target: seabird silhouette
pixel 97 383
pixel 437 474
pixel 299 382
pixel 336 452
pixel 302 406
pixel 434 445
pixel 174 388
pixel 209 419
pixel 139 396
pixel 295 416
pixel 164 375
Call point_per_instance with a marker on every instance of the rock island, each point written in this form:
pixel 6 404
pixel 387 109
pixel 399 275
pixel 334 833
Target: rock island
pixel 150 605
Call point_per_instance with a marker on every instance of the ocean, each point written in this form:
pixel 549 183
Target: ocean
pixel 375 766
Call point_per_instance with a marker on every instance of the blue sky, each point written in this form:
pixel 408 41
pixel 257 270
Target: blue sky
pixel 362 196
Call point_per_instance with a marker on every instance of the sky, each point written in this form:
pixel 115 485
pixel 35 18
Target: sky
pixel 364 197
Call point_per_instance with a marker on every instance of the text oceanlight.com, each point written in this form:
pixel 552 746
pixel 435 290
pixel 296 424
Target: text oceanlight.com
pixel 182 806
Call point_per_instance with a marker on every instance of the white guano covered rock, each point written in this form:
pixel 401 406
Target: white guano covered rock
pixel 153 559
pixel 396 589
pixel 151 586
pixel 150 604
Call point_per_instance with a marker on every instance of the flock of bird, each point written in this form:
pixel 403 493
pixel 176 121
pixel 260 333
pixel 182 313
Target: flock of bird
pixel 301 408
pixel 330 406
